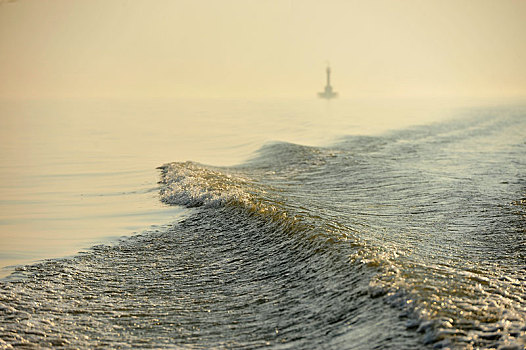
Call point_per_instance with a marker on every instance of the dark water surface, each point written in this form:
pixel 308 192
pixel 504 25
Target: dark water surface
pixel 411 239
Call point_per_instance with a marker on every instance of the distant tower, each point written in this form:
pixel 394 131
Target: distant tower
pixel 328 93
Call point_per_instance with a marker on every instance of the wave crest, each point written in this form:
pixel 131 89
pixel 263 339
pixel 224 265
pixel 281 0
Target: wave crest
pixel 191 185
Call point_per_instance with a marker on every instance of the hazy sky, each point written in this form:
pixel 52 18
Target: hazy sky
pixel 245 48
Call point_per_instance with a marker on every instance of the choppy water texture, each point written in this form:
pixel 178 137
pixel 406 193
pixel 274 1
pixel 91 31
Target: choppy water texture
pixel 412 239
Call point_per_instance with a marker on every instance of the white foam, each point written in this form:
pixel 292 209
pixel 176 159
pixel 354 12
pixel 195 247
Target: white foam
pixel 191 185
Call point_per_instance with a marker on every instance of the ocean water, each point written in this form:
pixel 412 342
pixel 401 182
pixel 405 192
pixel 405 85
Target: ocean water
pixel 263 224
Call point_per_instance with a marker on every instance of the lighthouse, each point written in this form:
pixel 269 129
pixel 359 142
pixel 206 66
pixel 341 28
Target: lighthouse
pixel 328 93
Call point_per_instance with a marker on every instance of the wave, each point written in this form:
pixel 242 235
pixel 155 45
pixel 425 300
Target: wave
pixel 193 185
pixel 381 202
